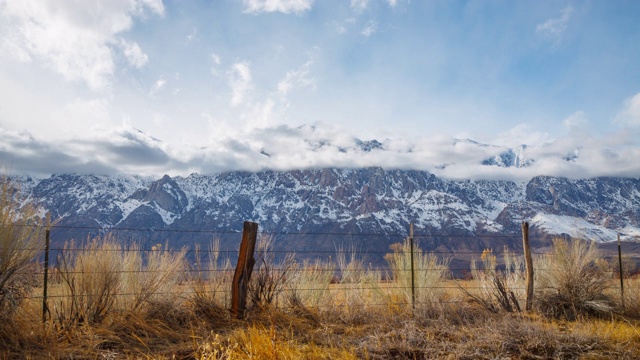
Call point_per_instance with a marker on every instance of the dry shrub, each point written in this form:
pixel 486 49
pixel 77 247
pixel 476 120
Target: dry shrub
pixel 149 276
pixel 210 284
pixel 358 289
pixel 90 281
pixel 498 289
pixel 103 276
pixel 632 297
pixel 430 273
pixel 21 241
pixel 310 283
pixel 270 278
pixel 572 280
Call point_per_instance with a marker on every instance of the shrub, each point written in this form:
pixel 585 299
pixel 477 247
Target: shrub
pixel 103 276
pixel 270 278
pixel 210 284
pixel 90 281
pixel 149 276
pixel 429 272
pixel 359 287
pixel 310 282
pixel 571 281
pixel 21 241
pixel 499 290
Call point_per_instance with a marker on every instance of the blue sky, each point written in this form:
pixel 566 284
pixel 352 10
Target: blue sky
pixel 151 87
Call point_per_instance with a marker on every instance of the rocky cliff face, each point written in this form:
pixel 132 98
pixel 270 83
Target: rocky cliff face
pixel 321 208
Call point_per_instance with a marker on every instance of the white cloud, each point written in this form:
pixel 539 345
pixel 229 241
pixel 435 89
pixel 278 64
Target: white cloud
pixel 125 149
pixel 157 86
pixel 520 134
pixel 216 59
pixel 554 28
pixel 359 5
pixel 134 54
pixel 370 28
pixel 240 82
pixel 283 6
pixel 577 120
pixel 630 113
pixel 76 39
pixel 193 35
pixel 260 115
pixel 392 3
pixel 296 78
pixel 11 47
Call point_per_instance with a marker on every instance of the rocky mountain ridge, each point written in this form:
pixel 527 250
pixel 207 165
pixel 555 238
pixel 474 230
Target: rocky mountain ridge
pixel 317 203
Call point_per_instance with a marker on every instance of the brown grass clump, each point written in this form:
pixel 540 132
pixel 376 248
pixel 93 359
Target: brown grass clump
pixel 429 273
pixel 21 241
pixel 572 281
pixel 499 290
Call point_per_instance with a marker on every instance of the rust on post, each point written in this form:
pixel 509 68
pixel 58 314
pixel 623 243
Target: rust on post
pixel 243 269
pixel 528 263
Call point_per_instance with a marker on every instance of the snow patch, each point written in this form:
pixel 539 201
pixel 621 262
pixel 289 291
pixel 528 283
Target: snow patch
pixel 574 227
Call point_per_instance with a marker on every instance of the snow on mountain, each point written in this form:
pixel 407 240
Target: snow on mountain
pixel 351 201
pixel 514 157
pixel 574 227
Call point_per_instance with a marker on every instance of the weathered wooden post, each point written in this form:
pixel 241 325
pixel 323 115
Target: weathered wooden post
pixel 243 269
pixel 529 264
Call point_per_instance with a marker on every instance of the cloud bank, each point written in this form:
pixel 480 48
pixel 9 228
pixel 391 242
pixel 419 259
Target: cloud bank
pixel 126 150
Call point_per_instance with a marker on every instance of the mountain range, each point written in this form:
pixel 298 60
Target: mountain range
pixel 319 210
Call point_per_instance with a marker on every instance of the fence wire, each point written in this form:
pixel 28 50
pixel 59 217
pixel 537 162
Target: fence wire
pixel 374 271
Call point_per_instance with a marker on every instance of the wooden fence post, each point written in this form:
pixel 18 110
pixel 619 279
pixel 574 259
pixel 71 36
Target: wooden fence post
pixel 529 264
pixel 243 269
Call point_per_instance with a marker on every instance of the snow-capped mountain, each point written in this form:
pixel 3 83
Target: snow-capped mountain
pixel 511 157
pixel 324 208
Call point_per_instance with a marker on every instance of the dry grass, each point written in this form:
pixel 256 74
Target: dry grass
pixel 429 273
pixel 499 290
pixel 572 281
pixel 175 312
pixel 21 240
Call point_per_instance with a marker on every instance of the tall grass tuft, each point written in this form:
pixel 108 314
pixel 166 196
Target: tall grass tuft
pixel 210 283
pixel 149 276
pixel 310 282
pixel 21 241
pixel 359 286
pixel 91 281
pixel 572 280
pixel 103 276
pixel 498 289
pixel 270 277
pixel 430 273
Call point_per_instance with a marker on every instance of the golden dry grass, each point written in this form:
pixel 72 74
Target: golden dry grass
pixel 360 317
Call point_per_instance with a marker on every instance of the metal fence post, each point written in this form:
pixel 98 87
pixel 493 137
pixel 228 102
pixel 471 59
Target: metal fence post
pixel 413 274
pixel 45 307
pixel 621 274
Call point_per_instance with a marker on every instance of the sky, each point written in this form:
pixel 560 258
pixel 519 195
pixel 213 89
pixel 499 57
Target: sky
pixel 153 87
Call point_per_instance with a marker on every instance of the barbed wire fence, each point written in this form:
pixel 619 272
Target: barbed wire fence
pixel 350 246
